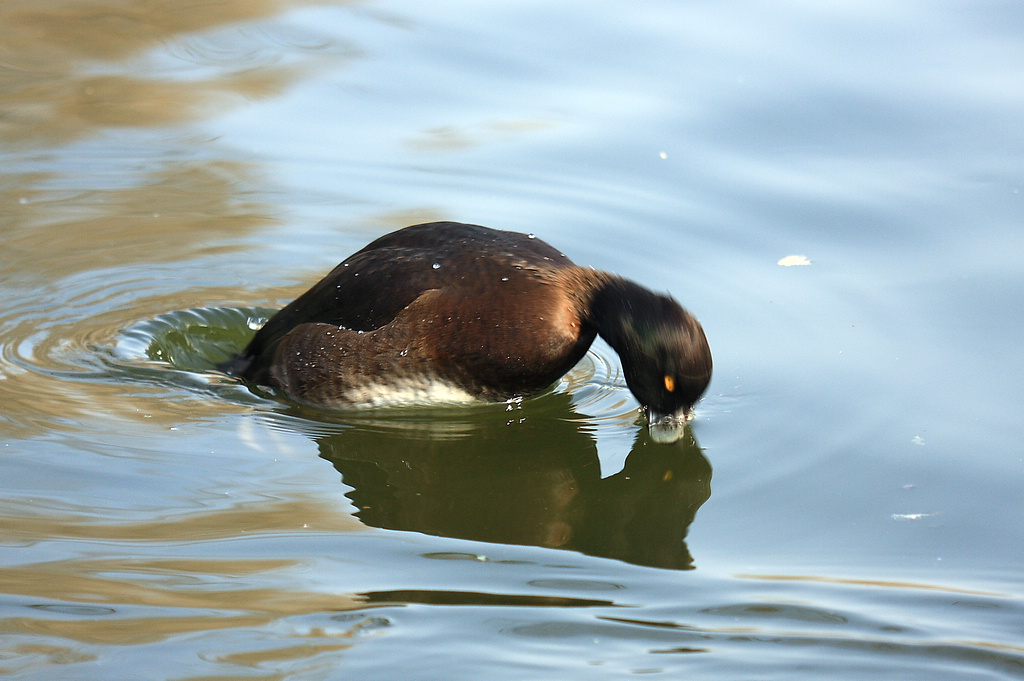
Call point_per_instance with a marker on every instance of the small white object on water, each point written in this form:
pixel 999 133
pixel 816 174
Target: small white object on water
pixel 912 516
pixel 794 260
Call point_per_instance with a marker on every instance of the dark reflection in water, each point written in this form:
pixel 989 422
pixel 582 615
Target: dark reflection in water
pixel 534 481
pixel 480 599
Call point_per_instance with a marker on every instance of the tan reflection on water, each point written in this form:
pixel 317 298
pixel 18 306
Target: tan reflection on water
pixel 452 138
pixel 114 29
pixel 50 87
pixel 247 518
pixel 70 69
pixel 203 586
pixel 882 583
pixel 167 214
pixel 52 337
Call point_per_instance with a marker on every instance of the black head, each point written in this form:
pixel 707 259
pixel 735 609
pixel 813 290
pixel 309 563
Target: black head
pixel 664 352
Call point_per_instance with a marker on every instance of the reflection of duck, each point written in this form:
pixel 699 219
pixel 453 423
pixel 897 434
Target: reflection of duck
pixel 446 311
pixel 535 482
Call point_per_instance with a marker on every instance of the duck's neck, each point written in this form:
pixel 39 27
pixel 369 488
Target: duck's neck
pixel 619 309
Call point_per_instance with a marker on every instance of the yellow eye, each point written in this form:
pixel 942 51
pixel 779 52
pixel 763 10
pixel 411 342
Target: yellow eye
pixel 670 383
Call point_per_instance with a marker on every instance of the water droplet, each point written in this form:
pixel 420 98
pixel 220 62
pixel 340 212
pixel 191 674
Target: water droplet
pixel 344 264
pixel 504 278
pixel 531 235
pixel 355 274
pixel 436 265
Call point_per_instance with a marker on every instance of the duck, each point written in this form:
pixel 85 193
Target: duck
pixel 452 312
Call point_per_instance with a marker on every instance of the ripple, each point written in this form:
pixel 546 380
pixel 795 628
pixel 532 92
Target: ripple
pixel 75 353
pixel 191 340
pixel 599 390
pixel 257 46
pixel 77 610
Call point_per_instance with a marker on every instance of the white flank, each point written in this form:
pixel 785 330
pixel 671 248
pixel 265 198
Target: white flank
pixel 419 390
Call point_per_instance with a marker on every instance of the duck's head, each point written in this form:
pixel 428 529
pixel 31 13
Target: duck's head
pixel 666 361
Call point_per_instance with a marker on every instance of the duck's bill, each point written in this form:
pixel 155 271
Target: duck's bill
pixel 667 428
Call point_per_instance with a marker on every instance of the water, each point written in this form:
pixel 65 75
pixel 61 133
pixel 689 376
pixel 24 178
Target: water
pixel 847 502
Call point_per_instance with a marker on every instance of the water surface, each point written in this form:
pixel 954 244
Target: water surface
pixel 847 502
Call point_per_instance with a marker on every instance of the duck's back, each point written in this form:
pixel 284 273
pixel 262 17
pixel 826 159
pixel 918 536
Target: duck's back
pixel 371 287
pixel 499 295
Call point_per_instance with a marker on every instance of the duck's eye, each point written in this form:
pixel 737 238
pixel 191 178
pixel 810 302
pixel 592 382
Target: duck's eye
pixel 670 383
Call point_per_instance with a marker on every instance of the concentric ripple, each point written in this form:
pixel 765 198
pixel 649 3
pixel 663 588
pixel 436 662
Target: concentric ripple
pixel 73 360
pixel 192 340
pixel 599 389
